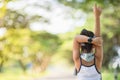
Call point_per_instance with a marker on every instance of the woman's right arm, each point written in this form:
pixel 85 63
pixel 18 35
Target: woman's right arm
pixel 76 54
pixel 76 49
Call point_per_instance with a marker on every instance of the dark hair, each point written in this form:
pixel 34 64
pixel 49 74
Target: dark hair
pixel 86 46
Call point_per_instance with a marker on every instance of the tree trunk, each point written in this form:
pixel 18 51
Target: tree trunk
pixel 1 65
pixel 22 65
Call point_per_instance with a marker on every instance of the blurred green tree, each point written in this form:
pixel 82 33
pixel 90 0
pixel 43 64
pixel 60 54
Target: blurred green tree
pixel 24 46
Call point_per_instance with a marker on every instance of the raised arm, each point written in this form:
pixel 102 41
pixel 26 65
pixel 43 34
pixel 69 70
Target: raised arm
pixel 98 49
pixel 76 48
pixel 97 13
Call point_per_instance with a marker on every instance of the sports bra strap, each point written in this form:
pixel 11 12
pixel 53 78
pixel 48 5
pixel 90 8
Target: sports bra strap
pixel 80 60
pixel 94 61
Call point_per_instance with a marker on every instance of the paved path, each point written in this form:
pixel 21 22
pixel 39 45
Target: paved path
pixel 60 77
pixel 59 73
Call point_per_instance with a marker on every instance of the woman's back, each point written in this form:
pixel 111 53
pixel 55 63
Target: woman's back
pixel 88 72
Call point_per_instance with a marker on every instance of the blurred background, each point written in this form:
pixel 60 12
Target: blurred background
pixel 36 37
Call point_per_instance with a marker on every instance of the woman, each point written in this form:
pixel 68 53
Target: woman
pixel 88 62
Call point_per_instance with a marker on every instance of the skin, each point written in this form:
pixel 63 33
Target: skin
pixel 97 42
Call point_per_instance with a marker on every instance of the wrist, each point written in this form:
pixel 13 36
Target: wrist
pixel 97 16
pixel 93 42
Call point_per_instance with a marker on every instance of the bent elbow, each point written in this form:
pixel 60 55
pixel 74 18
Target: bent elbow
pixel 76 38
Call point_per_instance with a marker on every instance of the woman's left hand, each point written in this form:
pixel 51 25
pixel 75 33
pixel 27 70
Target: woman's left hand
pixel 97 41
pixel 97 10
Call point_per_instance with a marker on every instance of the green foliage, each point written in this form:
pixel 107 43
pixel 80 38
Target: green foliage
pixel 49 43
pixel 26 46
pixel 86 5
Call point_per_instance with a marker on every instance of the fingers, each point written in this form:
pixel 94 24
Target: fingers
pixel 97 10
pixel 100 41
pixel 97 41
pixel 100 9
pixel 95 5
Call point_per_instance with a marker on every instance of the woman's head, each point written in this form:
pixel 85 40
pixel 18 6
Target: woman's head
pixel 87 33
pixel 86 46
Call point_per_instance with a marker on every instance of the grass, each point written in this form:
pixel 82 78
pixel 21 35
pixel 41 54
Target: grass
pixel 20 75
pixel 107 75
pixel 12 76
